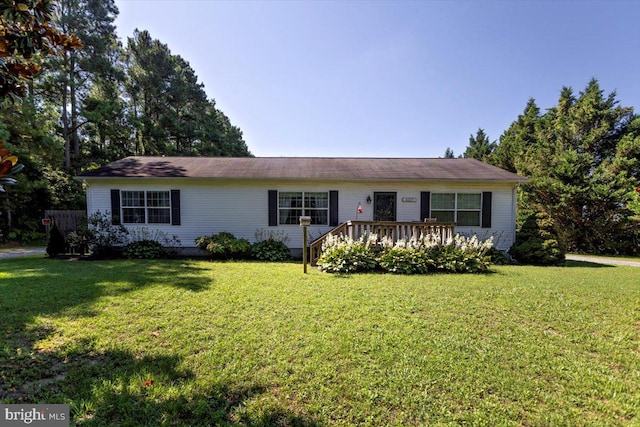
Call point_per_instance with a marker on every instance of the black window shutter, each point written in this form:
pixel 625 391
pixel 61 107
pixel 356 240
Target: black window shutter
pixel 273 208
pixel 115 207
pixel 425 205
pixel 333 208
pixel 175 207
pixel 486 209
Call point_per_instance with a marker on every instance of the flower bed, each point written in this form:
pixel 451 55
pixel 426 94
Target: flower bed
pixel 460 254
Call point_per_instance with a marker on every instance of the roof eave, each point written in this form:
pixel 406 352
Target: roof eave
pixel 311 178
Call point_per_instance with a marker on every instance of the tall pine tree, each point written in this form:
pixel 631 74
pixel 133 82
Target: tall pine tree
pixel 169 108
pixel 69 79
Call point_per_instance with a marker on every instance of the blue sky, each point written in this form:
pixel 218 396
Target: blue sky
pixel 391 78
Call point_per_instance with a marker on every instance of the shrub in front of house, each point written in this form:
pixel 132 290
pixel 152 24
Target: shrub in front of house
pixel 145 249
pixel 270 250
pixel 402 260
pixel 416 256
pixel 224 245
pixel 149 243
pixel 56 244
pixel 105 239
pixel 538 242
pixel 342 254
pixel 459 254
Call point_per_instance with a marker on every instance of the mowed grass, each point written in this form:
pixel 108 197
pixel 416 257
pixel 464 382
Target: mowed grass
pixel 232 343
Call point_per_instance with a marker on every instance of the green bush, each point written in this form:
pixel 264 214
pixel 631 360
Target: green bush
pixel 56 244
pixel 453 258
pixel 499 257
pixel 145 249
pixel 105 239
pixel 270 250
pixel 170 245
pixel 78 241
pixel 341 254
pixel 224 245
pixel 403 260
pixel 538 242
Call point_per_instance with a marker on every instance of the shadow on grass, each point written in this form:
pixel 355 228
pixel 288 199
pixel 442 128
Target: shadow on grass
pixel 583 264
pixel 120 388
pixel 113 386
pixel 35 286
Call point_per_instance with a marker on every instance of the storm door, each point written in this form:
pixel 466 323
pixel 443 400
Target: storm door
pixel 384 206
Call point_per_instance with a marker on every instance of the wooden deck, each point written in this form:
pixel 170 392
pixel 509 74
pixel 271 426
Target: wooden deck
pixel 393 229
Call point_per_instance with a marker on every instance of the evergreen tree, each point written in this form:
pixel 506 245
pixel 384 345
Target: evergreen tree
pixel 582 159
pixel 56 244
pixel 517 139
pixel 448 153
pixel 69 79
pixel 479 146
pixel 169 108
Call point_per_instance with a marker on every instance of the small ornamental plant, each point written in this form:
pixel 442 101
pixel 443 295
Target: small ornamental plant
pixel 224 245
pixel 270 250
pixel 145 249
pixel 105 239
pixel 56 244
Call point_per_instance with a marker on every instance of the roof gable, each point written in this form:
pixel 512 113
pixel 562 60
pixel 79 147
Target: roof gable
pixel 317 168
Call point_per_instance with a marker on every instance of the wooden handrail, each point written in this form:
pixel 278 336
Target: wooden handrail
pixel 396 230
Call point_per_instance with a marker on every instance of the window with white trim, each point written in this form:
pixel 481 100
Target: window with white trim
pixel 294 204
pixel 146 207
pixel 462 208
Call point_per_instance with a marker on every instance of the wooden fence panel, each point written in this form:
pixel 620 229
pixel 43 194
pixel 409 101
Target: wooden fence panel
pixel 67 220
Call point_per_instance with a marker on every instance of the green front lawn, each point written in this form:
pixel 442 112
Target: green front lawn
pixel 215 343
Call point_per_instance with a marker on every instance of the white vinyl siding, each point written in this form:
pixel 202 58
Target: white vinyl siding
pixel 241 207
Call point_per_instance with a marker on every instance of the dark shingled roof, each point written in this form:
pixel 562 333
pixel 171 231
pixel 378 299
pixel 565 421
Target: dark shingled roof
pixel 294 168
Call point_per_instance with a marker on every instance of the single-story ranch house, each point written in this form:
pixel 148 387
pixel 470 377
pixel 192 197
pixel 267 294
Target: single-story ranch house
pixel 195 196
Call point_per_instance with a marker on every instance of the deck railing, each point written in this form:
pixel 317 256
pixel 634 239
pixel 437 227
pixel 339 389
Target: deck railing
pixel 391 229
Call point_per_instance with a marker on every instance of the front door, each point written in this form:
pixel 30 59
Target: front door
pixel 384 206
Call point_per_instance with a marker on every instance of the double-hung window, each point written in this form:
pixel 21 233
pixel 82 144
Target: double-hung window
pixel 462 208
pixel 146 207
pixel 294 204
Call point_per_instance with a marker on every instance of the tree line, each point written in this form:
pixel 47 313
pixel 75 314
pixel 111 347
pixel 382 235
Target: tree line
pixel 582 159
pixel 75 97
